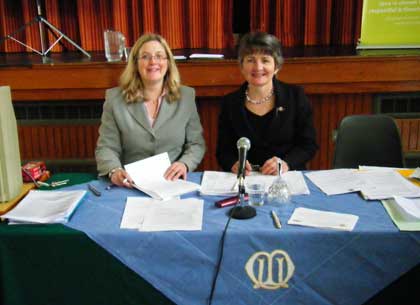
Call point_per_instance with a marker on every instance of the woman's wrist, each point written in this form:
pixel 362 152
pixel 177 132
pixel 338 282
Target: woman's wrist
pixel 112 171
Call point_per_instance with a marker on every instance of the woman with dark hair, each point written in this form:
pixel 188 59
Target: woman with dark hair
pixel 276 117
pixel 149 113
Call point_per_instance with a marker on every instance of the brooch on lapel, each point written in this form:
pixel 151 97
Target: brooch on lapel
pixel 280 109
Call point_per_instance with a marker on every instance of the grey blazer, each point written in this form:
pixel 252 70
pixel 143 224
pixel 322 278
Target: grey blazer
pixel 125 134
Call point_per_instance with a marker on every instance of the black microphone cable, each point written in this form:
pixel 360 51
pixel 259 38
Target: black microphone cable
pixel 219 261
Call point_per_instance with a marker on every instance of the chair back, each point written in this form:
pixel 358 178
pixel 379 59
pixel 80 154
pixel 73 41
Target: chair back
pixel 368 140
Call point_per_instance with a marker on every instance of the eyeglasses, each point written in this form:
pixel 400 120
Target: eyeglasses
pixel 147 57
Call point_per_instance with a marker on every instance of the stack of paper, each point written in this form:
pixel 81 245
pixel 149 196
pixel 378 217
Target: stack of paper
pixel 146 214
pixel 373 184
pixel 225 184
pixel 148 177
pixel 323 219
pixel 386 184
pixel 179 57
pixel 404 212
pixel 46 207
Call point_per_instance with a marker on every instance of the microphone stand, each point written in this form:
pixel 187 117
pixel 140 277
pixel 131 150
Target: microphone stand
pixel 43 25
pixel 242 211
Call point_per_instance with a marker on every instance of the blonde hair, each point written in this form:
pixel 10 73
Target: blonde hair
pixel 130 81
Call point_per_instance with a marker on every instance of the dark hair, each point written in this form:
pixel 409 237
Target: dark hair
pixel 260 42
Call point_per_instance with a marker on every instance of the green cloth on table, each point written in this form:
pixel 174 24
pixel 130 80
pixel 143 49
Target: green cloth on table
pixel 74 178
pixel 53 264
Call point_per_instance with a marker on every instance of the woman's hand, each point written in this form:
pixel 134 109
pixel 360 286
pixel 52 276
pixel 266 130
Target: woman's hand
pixel 270 166
pixel 248 168
pixel 121 178
pixel 175 171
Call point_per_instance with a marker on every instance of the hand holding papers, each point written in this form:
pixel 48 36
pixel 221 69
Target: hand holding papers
pixel 322 219
pixel 46 207
pixel 147 214
pixel 148 177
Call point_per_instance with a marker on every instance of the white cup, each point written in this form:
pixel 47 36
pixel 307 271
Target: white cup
pixel 114 45
pixel 256 193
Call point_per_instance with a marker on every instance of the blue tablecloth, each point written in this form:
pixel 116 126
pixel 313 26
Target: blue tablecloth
pixel 330 267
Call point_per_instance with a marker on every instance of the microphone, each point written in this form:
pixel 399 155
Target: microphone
pixel 243 146
pixel 241 211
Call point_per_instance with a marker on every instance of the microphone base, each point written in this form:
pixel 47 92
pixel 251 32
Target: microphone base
pixel 245 212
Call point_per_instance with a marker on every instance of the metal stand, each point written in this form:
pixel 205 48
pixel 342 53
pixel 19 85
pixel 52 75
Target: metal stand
pixel 241 211
pixel 42 24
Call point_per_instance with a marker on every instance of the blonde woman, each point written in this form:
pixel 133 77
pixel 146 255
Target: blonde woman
pixel 149 113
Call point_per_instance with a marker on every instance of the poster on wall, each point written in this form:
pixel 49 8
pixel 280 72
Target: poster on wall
pixel 390 24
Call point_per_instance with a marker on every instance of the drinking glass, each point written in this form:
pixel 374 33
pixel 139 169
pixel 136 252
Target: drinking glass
pixel 114 45
pixel 256 194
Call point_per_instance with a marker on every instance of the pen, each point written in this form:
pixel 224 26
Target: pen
pixel 235 186
pixel 276 219
pixel 94 190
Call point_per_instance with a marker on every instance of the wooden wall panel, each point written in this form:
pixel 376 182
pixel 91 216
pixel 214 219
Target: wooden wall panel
pixel 57 142
pixel 78 141
pixel 208 109
pixel 328 111
pixel 410 134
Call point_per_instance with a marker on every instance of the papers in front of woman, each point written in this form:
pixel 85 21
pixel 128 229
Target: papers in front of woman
pixel 409 208
pixel 148 177
pixel 416 174
pixel 46 207
pixel 323 219
pixel 146 214
pixel 404 212
pixel 373 184
pixel 225 184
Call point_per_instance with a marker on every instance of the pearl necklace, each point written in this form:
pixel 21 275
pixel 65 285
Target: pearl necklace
pixel 257 102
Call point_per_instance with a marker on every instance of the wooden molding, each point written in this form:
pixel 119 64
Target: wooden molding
pixel 318 75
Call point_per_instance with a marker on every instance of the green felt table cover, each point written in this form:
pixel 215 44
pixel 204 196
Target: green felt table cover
pixel 53 264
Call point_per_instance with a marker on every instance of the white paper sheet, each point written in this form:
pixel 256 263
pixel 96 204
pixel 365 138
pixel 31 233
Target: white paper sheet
pixel 148 176
pixel 386 184
pixel 409 208
pixel 416 173
pixel 323 219
pixel 136 210
pixel 336 181
pixel 145 214
pixel 46 207
pixel 224 184
pixel 203 55
pixel 296 183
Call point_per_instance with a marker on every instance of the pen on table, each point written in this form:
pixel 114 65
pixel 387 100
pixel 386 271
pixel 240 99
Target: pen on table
pixel 276 219
pixel 94 190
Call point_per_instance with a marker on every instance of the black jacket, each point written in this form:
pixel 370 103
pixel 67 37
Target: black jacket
pixel 291 134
